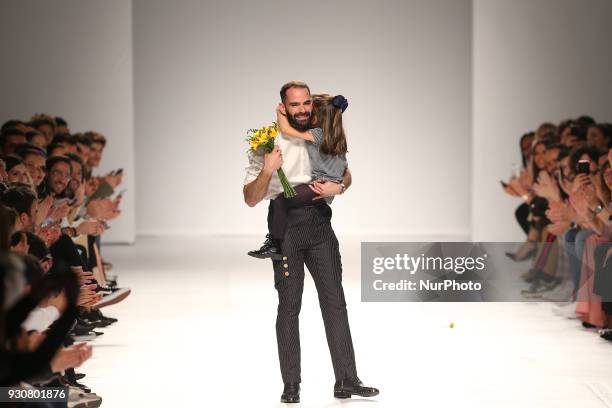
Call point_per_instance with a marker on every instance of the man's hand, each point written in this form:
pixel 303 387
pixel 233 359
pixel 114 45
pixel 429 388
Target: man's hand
pixel 71 357
pixel 60 210
pixel 43 210
pixel 325 189
pixel 91 186
pixel 559 228
pixel 256 190
pixel 560 212
pixel 102 209
pixel 273 160
pixel 90 227
pixel 114 179
pixel 547 188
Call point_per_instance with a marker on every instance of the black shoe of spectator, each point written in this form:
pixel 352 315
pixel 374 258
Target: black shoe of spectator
pixel 269 249
pixel 97 318
pixel 62 381
pixel 606 334
pixel 83 387
pixel 99 324
pixel 81 329
pixel 84 324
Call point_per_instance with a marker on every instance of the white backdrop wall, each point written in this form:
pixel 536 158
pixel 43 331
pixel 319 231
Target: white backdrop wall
pixel 205 71
pixel 73 58
pixel 202 72
pixel 534 61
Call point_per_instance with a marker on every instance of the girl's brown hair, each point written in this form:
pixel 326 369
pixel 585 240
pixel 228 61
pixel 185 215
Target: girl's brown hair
pixel 329 118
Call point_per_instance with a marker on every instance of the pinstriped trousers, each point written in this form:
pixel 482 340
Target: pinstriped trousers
pixel 310 240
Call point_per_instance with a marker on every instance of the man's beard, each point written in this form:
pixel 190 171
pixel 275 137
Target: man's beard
pixel 298 125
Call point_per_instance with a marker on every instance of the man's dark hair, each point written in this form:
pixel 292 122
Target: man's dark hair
pixel 606 130
pixel 33 272
pixel 38 248
pixel 550 136
pixel 292 84
pixel 564 151
pixel 42 121
pixel 95 137
pixel 591 151
pixel 8 216
pixel 82 139
pixel 53 160
pixel 11 124
pixel 75 158
pixel 64 138
pixel 11 161
pixel 20 198
pixel 579 131
pixel 52 146
pixel 585 120
pixel 12 131
pixel 59 121
pixel 32 134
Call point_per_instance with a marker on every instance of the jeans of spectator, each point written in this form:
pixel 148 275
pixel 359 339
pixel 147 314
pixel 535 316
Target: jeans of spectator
pixel 574 242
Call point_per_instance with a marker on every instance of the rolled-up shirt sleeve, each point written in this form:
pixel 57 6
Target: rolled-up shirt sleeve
pixel 254 167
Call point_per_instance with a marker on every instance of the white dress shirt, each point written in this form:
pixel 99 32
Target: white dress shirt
pixel 296 165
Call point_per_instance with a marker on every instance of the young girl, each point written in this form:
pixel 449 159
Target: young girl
pixel 326 145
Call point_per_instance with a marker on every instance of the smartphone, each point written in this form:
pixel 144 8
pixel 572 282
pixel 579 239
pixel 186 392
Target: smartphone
pixel 583 167
pixel 503 183
pixel 118 172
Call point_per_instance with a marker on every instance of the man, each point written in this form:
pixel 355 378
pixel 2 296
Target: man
pixel 309 239
pixel 34 159
pixel 58 175
pixel 45 125
pixel 23 201
pixel 10 139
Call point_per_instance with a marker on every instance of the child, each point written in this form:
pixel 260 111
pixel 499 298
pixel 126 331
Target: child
pixel 326 145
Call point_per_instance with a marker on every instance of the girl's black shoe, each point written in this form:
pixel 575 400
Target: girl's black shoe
pixel 269 249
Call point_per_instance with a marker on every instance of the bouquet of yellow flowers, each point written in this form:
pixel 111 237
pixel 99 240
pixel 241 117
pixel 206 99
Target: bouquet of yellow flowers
pixel 263 138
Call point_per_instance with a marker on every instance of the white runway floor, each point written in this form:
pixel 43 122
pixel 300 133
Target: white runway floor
pixel 198 331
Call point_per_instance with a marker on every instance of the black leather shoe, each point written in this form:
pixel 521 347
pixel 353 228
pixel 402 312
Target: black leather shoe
pixel 353 386
pixel 291 393
pixel 269 249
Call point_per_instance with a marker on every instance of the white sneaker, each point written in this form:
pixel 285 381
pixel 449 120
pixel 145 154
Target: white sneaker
pixel 112 298
pixel 79 399
pixel 568 310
